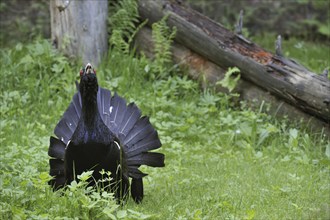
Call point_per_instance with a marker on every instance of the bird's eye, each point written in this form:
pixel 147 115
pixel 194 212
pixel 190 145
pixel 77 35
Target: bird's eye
pixel 81 72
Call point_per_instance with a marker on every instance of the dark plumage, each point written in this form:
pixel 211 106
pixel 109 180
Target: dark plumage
pixel 101 132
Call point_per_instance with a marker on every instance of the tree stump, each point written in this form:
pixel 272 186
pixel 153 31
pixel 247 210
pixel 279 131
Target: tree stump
pixel 79 28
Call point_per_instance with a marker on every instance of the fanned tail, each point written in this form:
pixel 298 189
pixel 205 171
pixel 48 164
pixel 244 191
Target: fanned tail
pixel 136 135
pixel 134 132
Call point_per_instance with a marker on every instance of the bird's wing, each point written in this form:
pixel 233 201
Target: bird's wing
pixel 63 131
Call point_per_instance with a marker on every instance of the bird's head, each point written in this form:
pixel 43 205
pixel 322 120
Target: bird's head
pixel 88 80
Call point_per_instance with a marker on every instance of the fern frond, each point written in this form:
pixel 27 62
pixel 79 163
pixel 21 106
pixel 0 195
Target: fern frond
pixel 122 23
pixel 163 37
pixel 230 80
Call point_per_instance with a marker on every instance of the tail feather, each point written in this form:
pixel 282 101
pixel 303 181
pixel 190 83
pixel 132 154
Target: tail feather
pixel 149 143
pixel 134 172
pixel 57 171
pixel 63 130
pixel 132 115
pixel 117 112
pixel 137 189
pixel 152 159
pixel 104 104
pixel 56 148
pixel 140 130
pixel 56 167
pixel 69 121
pixel 58 182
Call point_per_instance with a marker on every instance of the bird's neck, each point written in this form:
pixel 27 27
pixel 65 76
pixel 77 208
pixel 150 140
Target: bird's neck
pixel 90 111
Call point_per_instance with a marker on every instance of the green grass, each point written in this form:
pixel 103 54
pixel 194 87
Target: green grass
pixel 222 162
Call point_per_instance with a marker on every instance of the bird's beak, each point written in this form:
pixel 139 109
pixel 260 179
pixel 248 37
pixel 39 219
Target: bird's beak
pixel 88 68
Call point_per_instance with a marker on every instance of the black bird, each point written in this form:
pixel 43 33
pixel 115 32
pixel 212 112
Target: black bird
pixel 101 132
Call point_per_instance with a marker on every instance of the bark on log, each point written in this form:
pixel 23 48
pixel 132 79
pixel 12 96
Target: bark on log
pixel 199 67
pixel 79 28
pixel 280 76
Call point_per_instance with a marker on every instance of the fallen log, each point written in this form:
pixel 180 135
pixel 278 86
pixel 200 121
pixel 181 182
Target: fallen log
pixel 276 74
pixel 200 68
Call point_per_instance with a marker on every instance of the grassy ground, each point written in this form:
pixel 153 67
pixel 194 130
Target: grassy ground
pixel 221 162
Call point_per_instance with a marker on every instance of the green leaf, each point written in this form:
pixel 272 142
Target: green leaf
pixel 85 175
pixel 39 49
pixel 250 214
pixel 44 176
pixel 228 81
pixel 73 185
pixel 109 212
pixel 327 150
pixel 293 133
pixel 264 134
pixel 324 29
pixel 147 68
pixel 19 47
pixel 26 60
pixel 57 68
pixel 121 214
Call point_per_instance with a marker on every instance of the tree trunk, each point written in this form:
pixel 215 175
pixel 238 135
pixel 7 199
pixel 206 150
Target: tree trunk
pixel 79 28
pixel 280 76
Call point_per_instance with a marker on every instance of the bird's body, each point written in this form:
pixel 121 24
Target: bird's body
pixel 99 132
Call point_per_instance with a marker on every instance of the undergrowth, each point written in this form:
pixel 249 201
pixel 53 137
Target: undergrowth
pixel 222 161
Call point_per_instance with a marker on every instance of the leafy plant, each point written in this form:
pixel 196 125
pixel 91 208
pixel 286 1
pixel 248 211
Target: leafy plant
pixel 229 81
pixel 162 36
pixel 122 24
